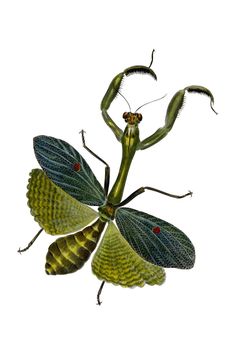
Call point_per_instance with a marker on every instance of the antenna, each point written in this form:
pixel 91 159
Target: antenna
pixel 125 100
pixel 158 99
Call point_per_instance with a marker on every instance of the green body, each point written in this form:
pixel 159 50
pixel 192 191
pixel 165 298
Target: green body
pixel 57 212
pixel 130 141
pixel 130 137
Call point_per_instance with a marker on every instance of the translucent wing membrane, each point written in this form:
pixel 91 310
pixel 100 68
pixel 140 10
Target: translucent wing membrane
pixel 67 169
pixel 56 211
pixel 116 262
pixel 155 240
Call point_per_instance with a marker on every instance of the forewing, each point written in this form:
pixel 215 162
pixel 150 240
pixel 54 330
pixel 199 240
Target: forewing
pixel 116 262
pixel 55 211
pixel 155 240
pixel 67 169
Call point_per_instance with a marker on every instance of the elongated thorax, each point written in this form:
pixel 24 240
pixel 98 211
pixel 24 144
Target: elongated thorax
pixel 130 141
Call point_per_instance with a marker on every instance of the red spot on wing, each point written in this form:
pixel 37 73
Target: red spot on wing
pixel 156 230
pixel 77 167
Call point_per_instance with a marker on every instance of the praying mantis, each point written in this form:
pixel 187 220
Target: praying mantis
pixel 136 251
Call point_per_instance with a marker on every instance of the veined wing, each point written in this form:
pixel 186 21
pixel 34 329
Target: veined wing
pixel 67 169
pixel 55 211
pixel 155 240
pixel 116 262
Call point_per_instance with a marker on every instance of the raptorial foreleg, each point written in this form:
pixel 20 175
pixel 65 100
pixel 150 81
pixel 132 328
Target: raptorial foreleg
pixel 172 113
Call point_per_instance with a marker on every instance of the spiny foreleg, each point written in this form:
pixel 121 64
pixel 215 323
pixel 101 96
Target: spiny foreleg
pixel 113 90
pixel 172 113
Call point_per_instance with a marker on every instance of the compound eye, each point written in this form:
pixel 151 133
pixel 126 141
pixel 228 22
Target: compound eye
pixel 140 117
pixel 125 115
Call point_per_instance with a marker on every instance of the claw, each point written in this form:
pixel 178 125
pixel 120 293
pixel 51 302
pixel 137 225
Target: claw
pixel 190 193
pixel 172 113
pixel 115 84
pixel 113 90
pixel 99 302
pixel 204 91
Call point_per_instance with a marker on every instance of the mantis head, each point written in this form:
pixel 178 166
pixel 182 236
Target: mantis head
pixel 132 118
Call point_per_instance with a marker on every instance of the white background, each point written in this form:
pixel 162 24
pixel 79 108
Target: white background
pixel 57 59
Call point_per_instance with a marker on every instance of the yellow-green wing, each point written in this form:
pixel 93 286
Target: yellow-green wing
pixel 55 211
pixel 116 262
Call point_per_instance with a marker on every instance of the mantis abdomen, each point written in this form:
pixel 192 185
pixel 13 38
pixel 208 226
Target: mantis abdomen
pixel 68 254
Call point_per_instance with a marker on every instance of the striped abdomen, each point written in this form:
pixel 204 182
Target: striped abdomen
pixel 68 254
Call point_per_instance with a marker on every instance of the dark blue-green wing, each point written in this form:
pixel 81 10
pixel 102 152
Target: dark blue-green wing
pixel 68 170
pixel 155 240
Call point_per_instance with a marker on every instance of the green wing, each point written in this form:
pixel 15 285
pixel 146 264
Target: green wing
pixel 116 262
pixel 55 211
